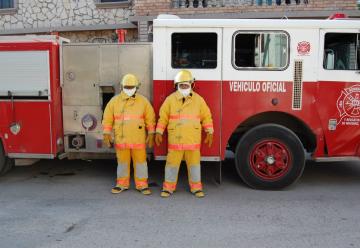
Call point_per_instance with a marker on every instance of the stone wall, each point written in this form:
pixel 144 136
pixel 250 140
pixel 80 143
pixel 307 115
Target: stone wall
pixel 54 14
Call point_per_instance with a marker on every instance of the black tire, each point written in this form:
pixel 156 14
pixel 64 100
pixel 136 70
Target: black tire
pixel 269 156
pixel 3 160
pixel 5 163
pixel 9 164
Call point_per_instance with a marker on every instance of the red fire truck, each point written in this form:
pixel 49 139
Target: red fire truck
pixel 278 90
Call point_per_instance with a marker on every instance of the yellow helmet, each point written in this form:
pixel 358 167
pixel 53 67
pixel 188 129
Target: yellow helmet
pixel 184 76
pixel 130 80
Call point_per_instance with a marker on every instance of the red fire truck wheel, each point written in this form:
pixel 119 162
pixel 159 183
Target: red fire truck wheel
pixel 269 156
pixel 5 163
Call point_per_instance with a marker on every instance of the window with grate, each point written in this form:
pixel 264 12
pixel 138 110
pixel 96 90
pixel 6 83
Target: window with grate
pixel 7 4
pixel 112 1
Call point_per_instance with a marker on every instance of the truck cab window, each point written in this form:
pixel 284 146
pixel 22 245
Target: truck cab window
pixel 260 50
pixel 341 51
pixel 194 50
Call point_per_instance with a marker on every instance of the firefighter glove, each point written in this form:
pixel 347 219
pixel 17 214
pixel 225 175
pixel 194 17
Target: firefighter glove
pixel 209 139
pixel 158 139
pixel 150 140
pixel 108 140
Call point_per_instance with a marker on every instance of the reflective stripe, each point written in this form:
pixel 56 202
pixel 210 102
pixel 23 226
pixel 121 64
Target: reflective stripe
pixel 195 173
pixel 181 117
pixel 160 127
pixel 196 186
pixel 169 186
pixel 208 126
pixel 184 146
pixel 107 128
pixel 151 128
pixel 141 170
pixel 171 173
pixel 130 146
pixel 141 184
pixel 122 170
pixel 129 117
pixel 124 182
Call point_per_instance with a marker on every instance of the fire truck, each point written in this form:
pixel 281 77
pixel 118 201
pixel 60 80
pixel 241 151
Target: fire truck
pixel 279 91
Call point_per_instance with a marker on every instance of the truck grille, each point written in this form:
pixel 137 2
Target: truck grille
pixel 297 87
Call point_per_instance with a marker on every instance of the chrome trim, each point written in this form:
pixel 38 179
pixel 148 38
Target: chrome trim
pixel 62 156
pixel 202 158
pixel 30 155
pixel 160 157
pixel 51 129
pixel 214 158
pixel 336 159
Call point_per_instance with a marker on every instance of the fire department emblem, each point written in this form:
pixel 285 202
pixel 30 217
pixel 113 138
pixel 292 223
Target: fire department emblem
pixel 348 104
pixel 303 48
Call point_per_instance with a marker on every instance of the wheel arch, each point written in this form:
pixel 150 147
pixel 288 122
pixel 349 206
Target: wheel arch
pixel 301 129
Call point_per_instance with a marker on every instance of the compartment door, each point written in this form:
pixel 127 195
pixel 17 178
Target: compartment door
pixel 338 96
pixel 25 103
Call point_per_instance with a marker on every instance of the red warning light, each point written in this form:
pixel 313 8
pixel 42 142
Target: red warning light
pixel 337 16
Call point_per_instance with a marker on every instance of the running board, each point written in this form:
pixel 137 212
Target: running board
pixel 207 159
pixel 336 159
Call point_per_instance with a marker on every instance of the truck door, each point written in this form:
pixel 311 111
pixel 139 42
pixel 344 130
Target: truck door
pixel 198 50
pixel 338 96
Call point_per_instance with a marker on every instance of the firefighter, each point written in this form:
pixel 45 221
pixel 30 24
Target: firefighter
pixel 132 118
pixel 184 113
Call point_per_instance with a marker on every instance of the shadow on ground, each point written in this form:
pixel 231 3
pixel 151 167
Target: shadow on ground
pixel 314 173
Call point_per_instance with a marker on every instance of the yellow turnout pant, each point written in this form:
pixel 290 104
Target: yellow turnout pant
pixel 138 157
pixel 173 161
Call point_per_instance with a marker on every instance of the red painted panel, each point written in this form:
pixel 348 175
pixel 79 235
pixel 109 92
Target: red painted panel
pixel 319 105
pixel 34 119
pixel 237 107
pixel 340 101
pixel 41 121
pixel 56 100
pixel 240 105
pixel 211 92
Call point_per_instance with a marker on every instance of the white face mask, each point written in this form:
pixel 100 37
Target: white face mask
pixel 184 92
pixel 130 92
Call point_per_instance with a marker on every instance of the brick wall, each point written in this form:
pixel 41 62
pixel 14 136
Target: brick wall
pixel 153 8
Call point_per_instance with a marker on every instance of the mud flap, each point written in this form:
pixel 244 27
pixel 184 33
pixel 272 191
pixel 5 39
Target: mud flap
pixel 218 173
